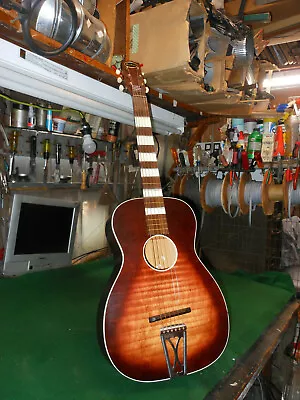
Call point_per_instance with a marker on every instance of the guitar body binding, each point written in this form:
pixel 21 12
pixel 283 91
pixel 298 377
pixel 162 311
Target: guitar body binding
pixel 165 320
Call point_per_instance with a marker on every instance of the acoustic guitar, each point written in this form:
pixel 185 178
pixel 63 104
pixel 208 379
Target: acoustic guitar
pixel 165 315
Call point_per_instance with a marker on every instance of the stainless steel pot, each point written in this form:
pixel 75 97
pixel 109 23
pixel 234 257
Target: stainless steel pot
pixel 19 116
pixel 53 19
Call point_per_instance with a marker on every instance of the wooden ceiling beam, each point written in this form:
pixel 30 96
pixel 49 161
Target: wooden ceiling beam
pixel 282 7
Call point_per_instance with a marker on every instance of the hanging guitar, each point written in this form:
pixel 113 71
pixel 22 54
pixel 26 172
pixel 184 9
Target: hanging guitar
pixel 165 315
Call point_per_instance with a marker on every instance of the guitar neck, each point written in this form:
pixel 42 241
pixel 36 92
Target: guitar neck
pixel 152 193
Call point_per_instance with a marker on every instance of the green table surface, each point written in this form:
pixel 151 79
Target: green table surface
pixel 49 349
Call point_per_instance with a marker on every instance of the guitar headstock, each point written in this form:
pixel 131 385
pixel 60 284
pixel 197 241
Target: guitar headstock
pixel 133 78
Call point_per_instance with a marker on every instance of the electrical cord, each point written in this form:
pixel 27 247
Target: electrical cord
pixel 78 258
pixel 37 106
pixel 26 26
pixel 158 146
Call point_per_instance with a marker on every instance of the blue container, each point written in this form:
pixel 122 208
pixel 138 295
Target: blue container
pixel 238 123
pixel 49 121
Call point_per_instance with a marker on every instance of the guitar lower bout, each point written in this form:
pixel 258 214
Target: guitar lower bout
pixel 161 322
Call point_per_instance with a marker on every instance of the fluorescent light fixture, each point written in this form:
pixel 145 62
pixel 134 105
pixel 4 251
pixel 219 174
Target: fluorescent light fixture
pixel 281 80
pixel 26 72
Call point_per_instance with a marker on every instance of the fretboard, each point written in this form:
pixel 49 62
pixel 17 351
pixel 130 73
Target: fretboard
pixel 153 197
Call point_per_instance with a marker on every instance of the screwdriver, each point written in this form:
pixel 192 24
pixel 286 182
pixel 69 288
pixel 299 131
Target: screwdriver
pixel 46 154
pixel 71 160
pixel 56 174
pixel 13 149
pixel 32 156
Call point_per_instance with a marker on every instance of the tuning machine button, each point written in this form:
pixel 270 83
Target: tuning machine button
pixel 147 89
pixel 121 88
pixel 119 79
pixel 118 72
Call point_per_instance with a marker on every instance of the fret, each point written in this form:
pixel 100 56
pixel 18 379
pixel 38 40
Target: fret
pixel 152 193
pixel 144 140
pixel 149 172
pixel 142 122
pixel 144 157
pixel 155 210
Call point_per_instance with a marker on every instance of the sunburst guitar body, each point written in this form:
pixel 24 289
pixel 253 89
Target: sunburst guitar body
pixel 165 315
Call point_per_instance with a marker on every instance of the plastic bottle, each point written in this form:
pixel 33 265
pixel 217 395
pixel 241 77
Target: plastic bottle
pixel 254 143
pixel 49 122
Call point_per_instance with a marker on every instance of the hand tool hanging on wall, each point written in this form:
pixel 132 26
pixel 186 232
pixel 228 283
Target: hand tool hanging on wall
pixel 32 163
pixel 13 150
pixel 89 175
pixel 97 170
pixel 56 174
pixel 46 155
pixel 71 160
pixel 83 173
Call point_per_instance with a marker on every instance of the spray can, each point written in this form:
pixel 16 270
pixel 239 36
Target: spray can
pixel 31 121
pixel 49 122
pixel 279 142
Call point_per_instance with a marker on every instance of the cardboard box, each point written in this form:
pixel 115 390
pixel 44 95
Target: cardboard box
pixel 159 41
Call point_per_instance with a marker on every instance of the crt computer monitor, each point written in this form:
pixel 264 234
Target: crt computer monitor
pixel 41 234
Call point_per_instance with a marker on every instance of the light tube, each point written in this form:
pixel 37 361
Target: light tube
pixel 45 79
pixel 282 81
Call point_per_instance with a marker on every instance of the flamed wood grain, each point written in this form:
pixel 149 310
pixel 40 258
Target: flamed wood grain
pixel 133 344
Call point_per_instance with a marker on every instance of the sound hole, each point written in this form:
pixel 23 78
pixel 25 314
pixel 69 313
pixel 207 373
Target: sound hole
pixel 160 253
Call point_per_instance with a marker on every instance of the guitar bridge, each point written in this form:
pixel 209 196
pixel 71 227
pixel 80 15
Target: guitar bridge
pixel 174 342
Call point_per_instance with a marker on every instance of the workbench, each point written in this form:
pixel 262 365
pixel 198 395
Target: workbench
pixel 49 348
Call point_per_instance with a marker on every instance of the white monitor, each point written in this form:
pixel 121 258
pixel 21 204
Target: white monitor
pixel 41 234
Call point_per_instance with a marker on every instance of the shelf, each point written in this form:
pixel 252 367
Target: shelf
pixel 51 185
pixel 10 30
pixel 44 132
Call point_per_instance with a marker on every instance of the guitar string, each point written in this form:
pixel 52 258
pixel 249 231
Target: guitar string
pixel 139 113
pixel 173 271
pixel 154 202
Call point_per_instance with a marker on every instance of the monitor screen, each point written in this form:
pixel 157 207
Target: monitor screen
pixel 43 229
pixel 41 234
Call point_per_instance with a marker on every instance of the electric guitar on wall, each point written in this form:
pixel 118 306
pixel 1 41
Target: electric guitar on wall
pixel 164 315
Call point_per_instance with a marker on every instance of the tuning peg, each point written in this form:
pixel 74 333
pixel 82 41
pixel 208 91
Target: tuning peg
pixel 121 88
pixel 118 72
pixel 147 89
pixel 119 79
pixel 143 73
pixel 145 81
